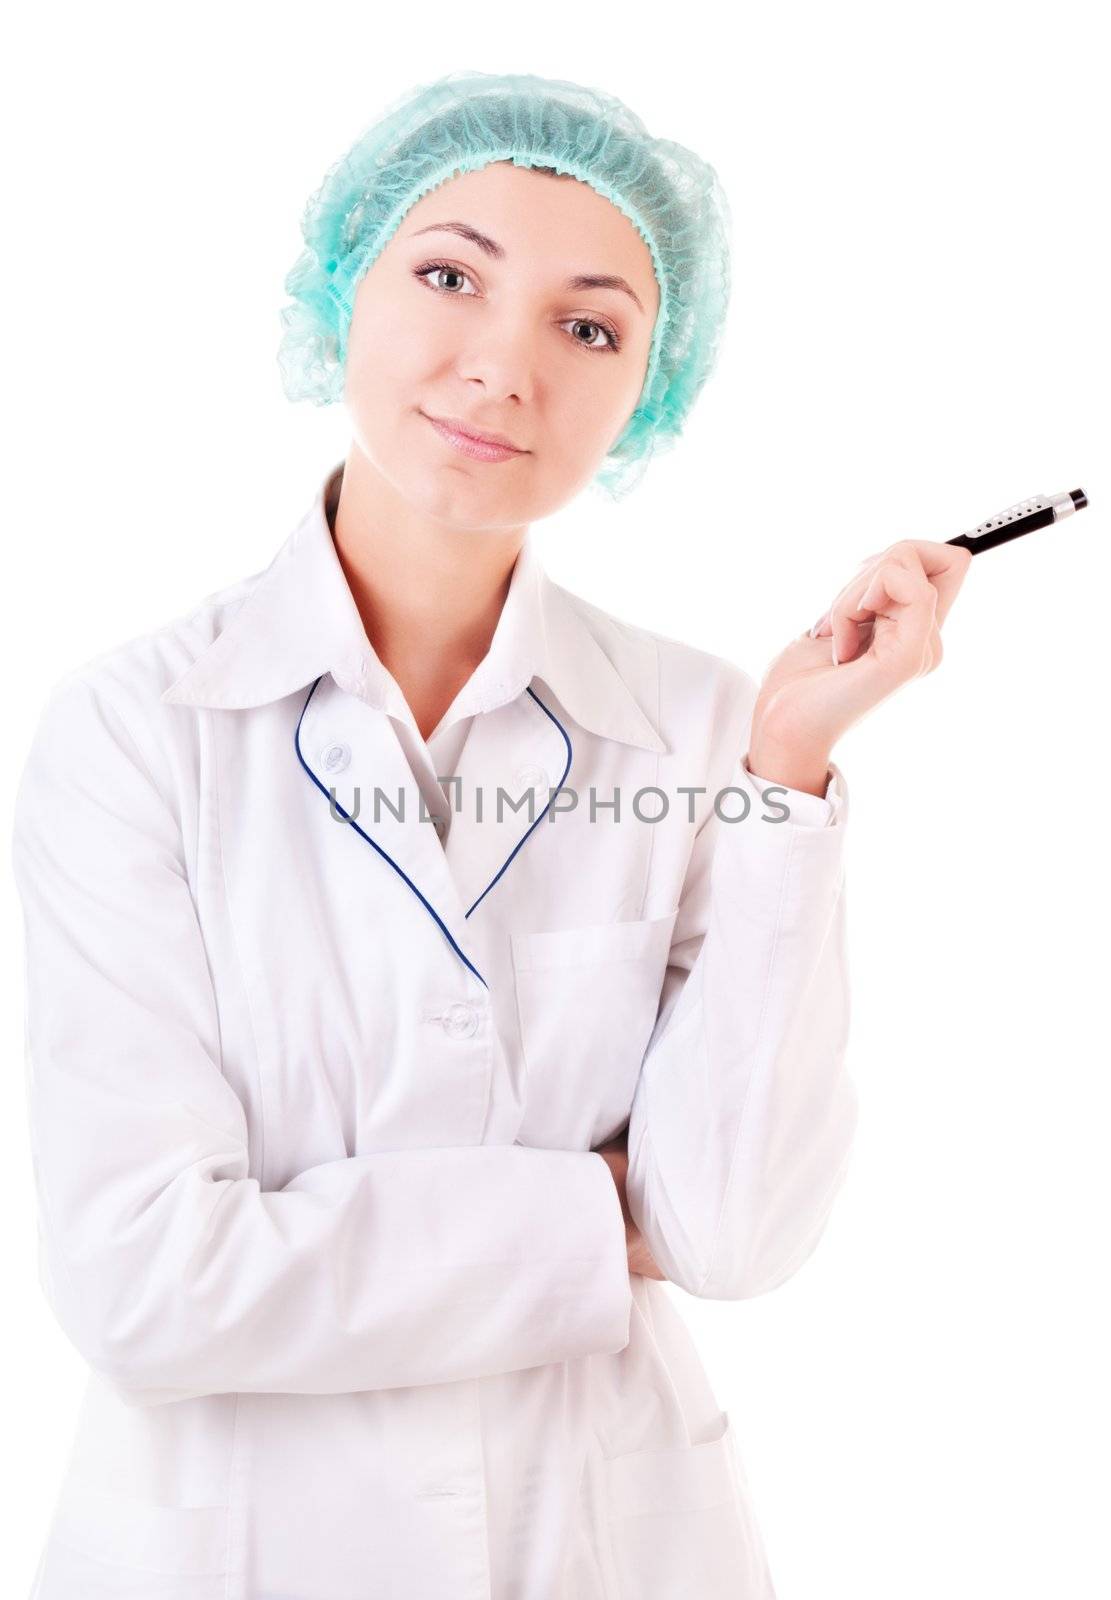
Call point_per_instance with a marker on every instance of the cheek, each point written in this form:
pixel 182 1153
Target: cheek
pixel 595 410
pixel 388 346
pixel 372 349
pixel 385 382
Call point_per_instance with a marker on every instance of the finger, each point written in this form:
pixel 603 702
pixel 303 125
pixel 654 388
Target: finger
pixel 852 621
pixel 937 650
pixel 905 623
pixel 945 565
pixel 821 627
pixel 902 603
pixel 643 1264
pixel 849 608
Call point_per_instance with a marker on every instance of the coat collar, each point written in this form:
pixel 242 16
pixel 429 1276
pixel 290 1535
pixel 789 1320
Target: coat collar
pixel 299 620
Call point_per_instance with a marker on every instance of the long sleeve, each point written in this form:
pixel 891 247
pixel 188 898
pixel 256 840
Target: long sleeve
pixel 744 1114
pixel 818 811
pixel 167 1266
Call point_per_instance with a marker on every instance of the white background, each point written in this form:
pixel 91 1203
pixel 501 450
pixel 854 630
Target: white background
pixel 918 338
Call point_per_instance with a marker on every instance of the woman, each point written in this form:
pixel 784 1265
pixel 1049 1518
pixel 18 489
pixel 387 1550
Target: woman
pixel 362 1144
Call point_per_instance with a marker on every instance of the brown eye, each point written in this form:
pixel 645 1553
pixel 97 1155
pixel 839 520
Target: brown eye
pixel 610 341
pixel 441 267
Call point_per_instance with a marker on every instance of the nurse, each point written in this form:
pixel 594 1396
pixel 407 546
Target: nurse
pixel 422 964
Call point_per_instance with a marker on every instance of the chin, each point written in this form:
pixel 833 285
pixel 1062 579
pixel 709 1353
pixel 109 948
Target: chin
pixel 453 497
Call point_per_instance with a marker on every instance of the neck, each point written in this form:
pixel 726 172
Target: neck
pixel 429 594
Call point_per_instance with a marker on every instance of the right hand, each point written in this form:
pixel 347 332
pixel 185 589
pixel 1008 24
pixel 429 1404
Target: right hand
pixel 615 1153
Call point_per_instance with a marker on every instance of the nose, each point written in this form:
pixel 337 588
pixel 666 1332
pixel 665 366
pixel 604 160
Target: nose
pixel 502 356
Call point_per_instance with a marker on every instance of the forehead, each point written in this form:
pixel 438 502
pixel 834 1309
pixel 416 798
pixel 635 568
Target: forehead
pixel 538 218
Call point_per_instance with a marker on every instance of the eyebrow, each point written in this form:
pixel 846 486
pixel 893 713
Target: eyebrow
pixel 581 280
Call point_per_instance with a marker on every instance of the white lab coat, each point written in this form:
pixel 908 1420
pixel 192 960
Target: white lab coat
pixel 313 1097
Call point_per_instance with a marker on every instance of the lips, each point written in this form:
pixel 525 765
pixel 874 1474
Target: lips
pixel 478 446
pixel 457 425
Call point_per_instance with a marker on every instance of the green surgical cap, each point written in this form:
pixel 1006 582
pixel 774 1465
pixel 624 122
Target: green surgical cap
pixel 466 120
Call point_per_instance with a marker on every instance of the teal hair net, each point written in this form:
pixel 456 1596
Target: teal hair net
pixel 466 120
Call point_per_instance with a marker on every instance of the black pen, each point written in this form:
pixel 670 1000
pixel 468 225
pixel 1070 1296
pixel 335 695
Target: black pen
pixel 1037 512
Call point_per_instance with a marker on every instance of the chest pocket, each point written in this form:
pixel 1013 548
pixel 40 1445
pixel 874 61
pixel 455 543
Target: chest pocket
pixel 587 1000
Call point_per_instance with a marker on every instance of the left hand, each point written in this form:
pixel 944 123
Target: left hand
pixel 880 631
pixel 615 1153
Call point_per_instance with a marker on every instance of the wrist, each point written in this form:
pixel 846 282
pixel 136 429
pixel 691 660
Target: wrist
pixel 804 770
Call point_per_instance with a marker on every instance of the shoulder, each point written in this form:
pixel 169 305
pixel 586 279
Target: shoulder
pixel 114 697
pixel 693 692
pixel 142 667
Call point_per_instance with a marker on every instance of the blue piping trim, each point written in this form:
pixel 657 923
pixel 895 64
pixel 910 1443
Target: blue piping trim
pixel 401 874
pixel 546 809
pixel 386 857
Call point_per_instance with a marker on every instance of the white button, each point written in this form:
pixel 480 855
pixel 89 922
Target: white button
pixel 532 778
pixel 460 1020
pixel 334 757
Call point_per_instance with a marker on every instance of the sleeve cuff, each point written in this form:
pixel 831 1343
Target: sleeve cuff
pixel 810 810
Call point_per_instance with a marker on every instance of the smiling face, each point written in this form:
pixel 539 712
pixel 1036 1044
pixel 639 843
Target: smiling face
pixel 486 308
